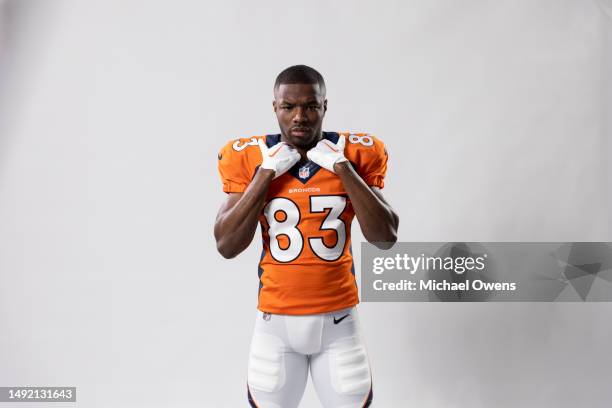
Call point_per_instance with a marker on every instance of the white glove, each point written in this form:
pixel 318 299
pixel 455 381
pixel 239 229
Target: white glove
pixel 280 157
pixel 326 154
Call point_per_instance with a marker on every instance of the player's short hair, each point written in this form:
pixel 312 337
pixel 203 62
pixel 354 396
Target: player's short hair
pixel 300 74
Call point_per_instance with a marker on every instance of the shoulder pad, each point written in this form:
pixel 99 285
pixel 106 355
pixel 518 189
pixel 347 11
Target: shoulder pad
pixel 237 161
pixel 369 156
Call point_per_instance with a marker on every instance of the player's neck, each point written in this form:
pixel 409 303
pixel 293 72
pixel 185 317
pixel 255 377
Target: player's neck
pixel 303 158
pixel 302 150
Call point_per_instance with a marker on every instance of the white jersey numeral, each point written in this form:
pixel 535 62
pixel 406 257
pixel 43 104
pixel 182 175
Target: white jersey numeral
pixel 238 147
pixel 364 140
pixel 286 227
pixel 283 216
pixel 336 205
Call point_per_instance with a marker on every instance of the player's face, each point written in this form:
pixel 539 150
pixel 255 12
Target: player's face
pixel 300 109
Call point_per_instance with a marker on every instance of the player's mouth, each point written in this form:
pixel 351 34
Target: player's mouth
pixel 299 131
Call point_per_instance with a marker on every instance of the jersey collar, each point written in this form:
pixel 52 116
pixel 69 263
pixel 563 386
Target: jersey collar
pixel 308 169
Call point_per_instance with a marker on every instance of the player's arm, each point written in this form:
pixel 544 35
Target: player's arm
pixel 378 221
pixel 237 219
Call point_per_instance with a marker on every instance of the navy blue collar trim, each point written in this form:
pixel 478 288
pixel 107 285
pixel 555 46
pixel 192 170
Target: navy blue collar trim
pixel 306 170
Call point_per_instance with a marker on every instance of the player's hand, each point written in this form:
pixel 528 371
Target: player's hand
pixel 326 153
pixel 279 158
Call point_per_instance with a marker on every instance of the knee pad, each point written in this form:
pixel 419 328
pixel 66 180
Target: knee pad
pixel 266 370
pixel 349 367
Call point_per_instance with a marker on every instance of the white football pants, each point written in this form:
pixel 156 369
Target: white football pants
pixel 284 347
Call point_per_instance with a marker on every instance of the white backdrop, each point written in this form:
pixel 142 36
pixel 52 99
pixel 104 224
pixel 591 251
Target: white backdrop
pixel 496 117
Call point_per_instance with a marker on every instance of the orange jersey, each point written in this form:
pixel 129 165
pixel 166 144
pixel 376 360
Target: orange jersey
pixel 306 265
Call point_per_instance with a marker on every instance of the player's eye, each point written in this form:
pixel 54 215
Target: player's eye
pixel 313 107
pixel 286 107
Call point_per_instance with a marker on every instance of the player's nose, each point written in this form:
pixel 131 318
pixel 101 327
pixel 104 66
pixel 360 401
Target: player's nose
pixel 300 115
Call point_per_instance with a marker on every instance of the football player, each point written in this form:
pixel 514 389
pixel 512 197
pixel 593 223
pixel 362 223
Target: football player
pixel 304 186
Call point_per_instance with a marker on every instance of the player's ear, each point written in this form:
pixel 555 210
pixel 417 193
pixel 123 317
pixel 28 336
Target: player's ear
pixel 325 106
pixel 274 105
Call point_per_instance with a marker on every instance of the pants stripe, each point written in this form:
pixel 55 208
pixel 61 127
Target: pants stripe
pixel 368 401
pixel 250 397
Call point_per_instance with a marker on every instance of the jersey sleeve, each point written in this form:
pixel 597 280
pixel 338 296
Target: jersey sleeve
pixel 233 167
pixel 369 154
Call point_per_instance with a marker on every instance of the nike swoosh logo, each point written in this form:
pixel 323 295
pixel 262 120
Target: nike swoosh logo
pixel 333 148
pixel 277 150
pixel 336 321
